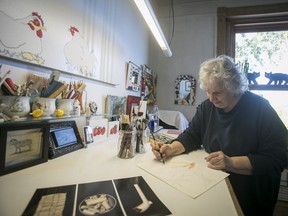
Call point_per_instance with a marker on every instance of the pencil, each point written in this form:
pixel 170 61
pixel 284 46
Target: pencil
pixel 162 158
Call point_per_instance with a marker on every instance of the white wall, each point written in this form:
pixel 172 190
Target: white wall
pixel 126 35
pixel 194 41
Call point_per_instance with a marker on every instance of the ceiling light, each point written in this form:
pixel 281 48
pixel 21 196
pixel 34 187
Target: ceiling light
pixel 147 12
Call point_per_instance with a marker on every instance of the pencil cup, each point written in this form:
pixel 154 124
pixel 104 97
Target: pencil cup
pixel 139 140
pixel 125 143
pixel 66 105
pixel 15 107
pixel 47 105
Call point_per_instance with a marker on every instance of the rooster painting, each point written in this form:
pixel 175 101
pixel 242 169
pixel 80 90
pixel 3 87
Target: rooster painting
pixel 78 55
pixel 22 38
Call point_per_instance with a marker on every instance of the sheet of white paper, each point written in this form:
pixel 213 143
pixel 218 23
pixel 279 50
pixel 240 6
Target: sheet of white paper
pixel 184 174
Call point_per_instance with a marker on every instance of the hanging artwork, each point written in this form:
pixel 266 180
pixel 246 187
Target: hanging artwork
pixel 148 85
pixel 185 90
pixel 36 38
pixel 115 106
pixel 132 102
pixel 133 77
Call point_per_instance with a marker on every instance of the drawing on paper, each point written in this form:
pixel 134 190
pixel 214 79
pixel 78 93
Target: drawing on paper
pixel 190 165
pixel 28 47
pixel 21 145
pixel 185 175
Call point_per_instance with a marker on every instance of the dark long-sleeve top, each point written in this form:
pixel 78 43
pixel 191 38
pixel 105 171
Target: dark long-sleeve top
pixel 253 129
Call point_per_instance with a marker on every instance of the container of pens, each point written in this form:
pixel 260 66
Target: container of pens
pixel 125 143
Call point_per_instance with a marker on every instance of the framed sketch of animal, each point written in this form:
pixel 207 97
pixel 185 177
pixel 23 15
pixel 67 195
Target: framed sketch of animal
pixel 22 145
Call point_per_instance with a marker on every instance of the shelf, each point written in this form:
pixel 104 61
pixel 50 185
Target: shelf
pixel 33 120
pixel 269 87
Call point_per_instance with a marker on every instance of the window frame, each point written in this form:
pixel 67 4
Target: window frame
pixel 259 18
pixel 247 19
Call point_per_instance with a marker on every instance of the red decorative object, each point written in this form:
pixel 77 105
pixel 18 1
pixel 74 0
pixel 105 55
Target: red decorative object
pixel 132 101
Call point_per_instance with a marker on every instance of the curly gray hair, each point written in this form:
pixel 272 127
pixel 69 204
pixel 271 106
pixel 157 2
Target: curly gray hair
pixel 223 69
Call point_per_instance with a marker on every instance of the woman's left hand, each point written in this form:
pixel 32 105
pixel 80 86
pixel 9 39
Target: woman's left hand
pixel 217 160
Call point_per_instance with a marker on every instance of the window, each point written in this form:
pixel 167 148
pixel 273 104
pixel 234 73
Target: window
pixel 238 27
pixel 248 19
pixel 263 56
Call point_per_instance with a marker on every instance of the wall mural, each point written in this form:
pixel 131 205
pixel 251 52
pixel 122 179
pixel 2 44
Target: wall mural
pixel 28 47
pixel 33 35
pixel 185 90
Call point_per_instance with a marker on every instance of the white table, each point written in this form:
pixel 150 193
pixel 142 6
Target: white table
pixel 99 162
pixel 174 118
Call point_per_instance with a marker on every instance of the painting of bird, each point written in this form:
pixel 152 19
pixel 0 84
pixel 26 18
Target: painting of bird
pixel 78 55
pixel 22 37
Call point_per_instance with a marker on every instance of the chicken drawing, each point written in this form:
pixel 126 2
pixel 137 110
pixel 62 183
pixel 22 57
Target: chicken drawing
pixel 22 38
pixel 78 55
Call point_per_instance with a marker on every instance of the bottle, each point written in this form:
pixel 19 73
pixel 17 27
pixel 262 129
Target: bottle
pixel 156 117
pixel 152 124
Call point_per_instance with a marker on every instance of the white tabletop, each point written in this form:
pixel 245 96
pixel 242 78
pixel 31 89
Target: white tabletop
pixel 99 162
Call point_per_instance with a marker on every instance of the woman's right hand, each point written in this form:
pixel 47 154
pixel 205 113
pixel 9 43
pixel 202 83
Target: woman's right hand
pixel 160 150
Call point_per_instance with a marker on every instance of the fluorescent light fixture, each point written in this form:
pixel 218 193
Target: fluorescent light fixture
pixel 147 12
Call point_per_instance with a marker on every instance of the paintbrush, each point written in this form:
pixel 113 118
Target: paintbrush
pixel 162 158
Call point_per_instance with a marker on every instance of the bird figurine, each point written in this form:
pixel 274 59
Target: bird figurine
pixel 37 113
pixel 59 113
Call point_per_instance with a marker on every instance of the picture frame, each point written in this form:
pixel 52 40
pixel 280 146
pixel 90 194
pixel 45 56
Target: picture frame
pixel 88 134
pixel 25 145
pixel 64 138
pixel 133 77
pixel 115 106
pixel 148 85
pixel 132 101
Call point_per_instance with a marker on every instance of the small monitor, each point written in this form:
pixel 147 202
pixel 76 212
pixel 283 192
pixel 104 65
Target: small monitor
pixel 64 137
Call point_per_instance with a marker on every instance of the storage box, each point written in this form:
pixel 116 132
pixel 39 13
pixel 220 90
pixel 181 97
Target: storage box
pixel 113 129
pixel 99 128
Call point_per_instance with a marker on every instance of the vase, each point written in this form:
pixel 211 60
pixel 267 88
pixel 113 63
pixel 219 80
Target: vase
pixel 15 106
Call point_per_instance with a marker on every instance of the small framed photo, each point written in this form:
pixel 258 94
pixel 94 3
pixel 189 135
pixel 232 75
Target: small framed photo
pixel 24 145
pixel 133 77
pixel 88 134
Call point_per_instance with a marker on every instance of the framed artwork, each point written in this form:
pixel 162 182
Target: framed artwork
pixel 148 85
pixel 185 90
pixel 133 77
pixel 23 146
pixel 132 102
pixel 88 135
pixel 64 138
pixel 115 106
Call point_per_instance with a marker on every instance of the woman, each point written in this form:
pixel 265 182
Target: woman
pixel 242 134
